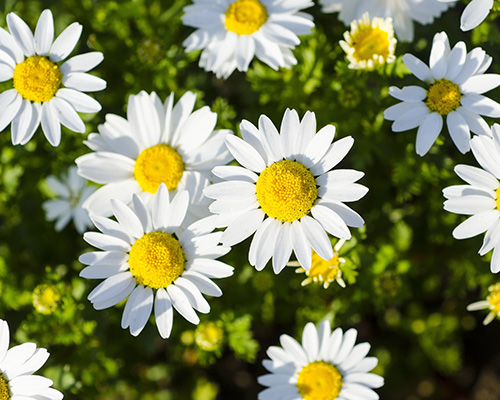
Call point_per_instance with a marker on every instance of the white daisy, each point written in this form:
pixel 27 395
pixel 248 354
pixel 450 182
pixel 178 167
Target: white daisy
pixel 17 366
pixel 146 259
pixel 232 32
pixel 159 143
pixel 481 197
pixel 456 83
pixel 71 191
pixel 475 13
pixel 285 177
pixel 492 303
pixel 370 43
pixel 402 12
pixel 326 366
pixel 45 90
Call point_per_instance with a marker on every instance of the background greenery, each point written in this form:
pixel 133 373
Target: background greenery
pixel 414 280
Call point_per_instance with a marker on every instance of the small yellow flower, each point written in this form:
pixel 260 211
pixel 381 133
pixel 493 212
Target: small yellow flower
pixel 323 271
pixel 209 336
pixel 46 298
pixel 370 43
pixel 491 303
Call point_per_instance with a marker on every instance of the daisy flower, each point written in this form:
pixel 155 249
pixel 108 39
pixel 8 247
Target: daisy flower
pixel 157 143
pixel 492 303
pixel 402 12
pixel 328 365
pixel 286 192
pixel 46 90
pixel 146 259
pixel 456 81
pixel 475 12
pixel 323 271
pixel 17 366
pixel 481 197
pixel 370 44
pixel 71 191
pixel 232 32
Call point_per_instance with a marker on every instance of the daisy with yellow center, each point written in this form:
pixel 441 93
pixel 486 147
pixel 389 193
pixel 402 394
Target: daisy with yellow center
pixel 492 303
pixel 157 143
pixel 370 43
pixel 46 298
pixel 148 258
pixel 480 198
pixel 286 191
pixel 17 366
pixel 233 32
pixel 46 90
pixel 456 81
pixel 326 366
pixel 322 271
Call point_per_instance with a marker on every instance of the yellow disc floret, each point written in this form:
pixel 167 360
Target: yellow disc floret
pixel 4 388
pixel 286 190
pixel 37 79
pixel 319 380
pixel 494 298
pixel 46 298
pixel 245 17
pixel 498 198
pixel 209 336
pixel 156 260
pixel 443 97
pixel 323 271
pixel 156 165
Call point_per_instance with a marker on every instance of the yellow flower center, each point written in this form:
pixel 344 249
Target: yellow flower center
pixel 324 270
pixel 156 260
pixel 498 198
pixel 4 388
pixel 286 190
pixel 368 42
pixel 245 17
pixel 494 298
pixel 37 79
pixel 46 298
pixel 443 97
pixel 209 336
pixel 156 165
pixel 319 380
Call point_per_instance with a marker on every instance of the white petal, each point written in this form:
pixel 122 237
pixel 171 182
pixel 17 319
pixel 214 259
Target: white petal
pixel 310 342
pixel 428 132
pixel 283 250
pixel 67 115
pixel 293 348
pixel 10 112
pixel 317 237
pixel 469 205
pixel 65 42
pixel 418 68
pixel 437 61
pixel 477 177
pixel 242 227
pixel 79 101
pixel 82 62
pixel 482 105
pixel 347 344
pixel 475 13
pixel 22 34
pixel 44 33
pixel 50 124
pixel 245 154
pixel 182 305
pixel 459 131
pixel 110 287
pixel 141 311
pixel 127 219
pixel 456 60
pixel 301 246
pixel 84 82
pixel 335 154
pixel 331 221
pixel 476 224
pixel 164 313
pixel 194 295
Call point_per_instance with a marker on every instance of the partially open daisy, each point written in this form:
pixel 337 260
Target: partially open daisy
pixel 481 197
pixel 323 272
pixel 370 44
pixel 455 85
pixel 46 90
pixel 46 298
pixel 17 366
pixel 159 143
pixel 232 32
pixel 402 12
pixel 475 13
pixel 327 366
pixel 71 191
pixel 492 303
pixel 286 192
pixel 148 260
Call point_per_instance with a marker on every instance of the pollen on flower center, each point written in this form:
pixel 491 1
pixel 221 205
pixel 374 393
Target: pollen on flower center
pixel 245 17
pixel 370 41
pixel 156 260
pixel 37 79
pixel 443 97
pixel 319 380
pixel 46 298
pixel 4 388
pixel 494 298
pixel 156 165
pixel 498 198
pixel 286 190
